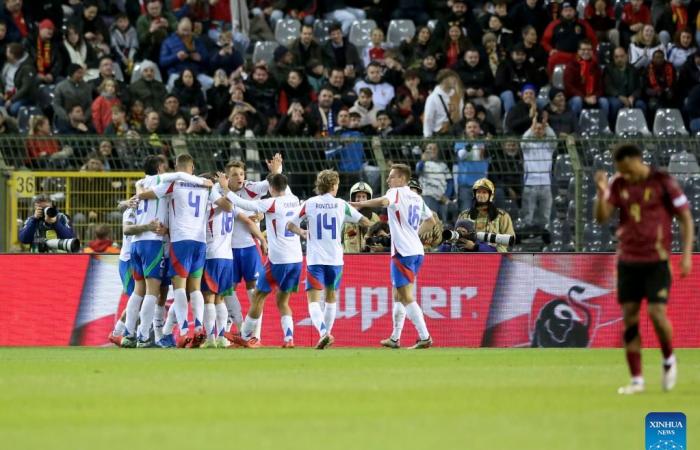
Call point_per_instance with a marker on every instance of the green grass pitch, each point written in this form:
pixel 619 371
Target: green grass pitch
pixel 349 399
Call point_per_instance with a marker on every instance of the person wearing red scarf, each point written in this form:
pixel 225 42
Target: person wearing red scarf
pixel 583 81
pixel 44 53
pixel 659 84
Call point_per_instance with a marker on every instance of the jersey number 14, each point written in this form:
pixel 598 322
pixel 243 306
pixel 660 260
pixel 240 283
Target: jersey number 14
pixel 322 223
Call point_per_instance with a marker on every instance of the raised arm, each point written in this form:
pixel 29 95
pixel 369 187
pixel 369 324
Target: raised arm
pixel 602 208
pixel 379 202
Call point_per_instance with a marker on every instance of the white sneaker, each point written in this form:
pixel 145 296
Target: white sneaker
pixel 630 389
pixel 668 377
pixel 222 342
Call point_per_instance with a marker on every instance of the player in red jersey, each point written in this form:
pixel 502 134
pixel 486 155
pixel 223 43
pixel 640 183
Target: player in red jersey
pixel 648 199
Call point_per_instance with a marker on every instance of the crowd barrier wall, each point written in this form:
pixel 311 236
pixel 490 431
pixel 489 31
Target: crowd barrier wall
pixel 516 300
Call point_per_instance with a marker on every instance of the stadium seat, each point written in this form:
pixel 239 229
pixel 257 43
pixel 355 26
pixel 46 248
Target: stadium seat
pixel 543 95
pixel 669 122
pixel 432 24
pixel 558 76
pixel 321 30
pixel 563 171
pixel 360 32
pixel 264 51
pixel 683 163
pixel 400 30
pixel 24 116
pixel 631 122
pixel 136 73
pixel 45 97
pixel 286 31
pixel 593 122
pixel 605 50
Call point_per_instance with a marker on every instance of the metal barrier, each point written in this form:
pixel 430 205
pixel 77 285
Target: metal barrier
pixel 570 171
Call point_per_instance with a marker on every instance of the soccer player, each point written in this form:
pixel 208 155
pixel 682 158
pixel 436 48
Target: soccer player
pixel 406 210
pixel 126 274
pixel 217 280
pixel 283 267
pixel 187 217
pixel 324 251
pixel 247 262
pixel 648 199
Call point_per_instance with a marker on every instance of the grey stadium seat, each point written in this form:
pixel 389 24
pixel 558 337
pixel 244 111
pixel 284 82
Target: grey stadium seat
pixel 264 51
pixel 400 30
pixel 286 31
pixel 360 31
pixel 631 121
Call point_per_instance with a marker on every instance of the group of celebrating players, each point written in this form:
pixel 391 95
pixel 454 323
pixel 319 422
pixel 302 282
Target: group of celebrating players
pixel 200 234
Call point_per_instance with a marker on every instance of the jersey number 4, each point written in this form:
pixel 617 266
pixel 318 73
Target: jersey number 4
pixel 193 201
pixel 322 223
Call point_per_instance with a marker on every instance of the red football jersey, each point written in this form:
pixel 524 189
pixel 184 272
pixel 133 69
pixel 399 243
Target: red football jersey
pixel 646 212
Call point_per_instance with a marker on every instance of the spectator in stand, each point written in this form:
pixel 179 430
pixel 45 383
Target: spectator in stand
pixel 169 114
pixel 305 48
pixel 454 46
pixel 125 42
pixel 45 51
pixel 529 13
pixel 225 56
pixel 644 44
pixel 181 50
pixel 504 36
pixel 444 105
pixel 343 92
pixel 673 18
pixel 538 149
pixel 110 160
pixel 324 113
pixel 429 72
pixel 415 10
pixel 520 118
pixel 435 177
pixel 365 107
pixel 471 162
pixel 349 153
pixel 282 63
pixel 296 123
pixel 147 89
pixel 295 89
pixel 376 49
pixel 515 73
pixel 77 123
pixel 71 91
pixel 106 72
pixel 338 52
pixel 383 126
pixel 382 92
pixel 562 37
pixel 39 148
pixel 683 47
pixel 623 85
pixel 693 109
pixel 600 15
pixel 242 147
pixel 339 11
pixel 689 76
pixel 493 54
pixel 102 243
pixel 316 76
pixel 89 23
pixel 478 84
pixel 152 141
pixel 471 111
pixel 153 28
pixel 535 54
pixel 118 126
pixel 416 49
pixel 102 106
pixel 302 10
pixel 635 14
pixel 8 125
pixel 659 83
pixel 18 26
pixel 261 91
pixel 189 91
pixel 507 171
pixel 18 80
pixel 197 10
pixel 583 82
pixel 411 88
pixel 461 15
pixel 77 51
pixel 559 116
pixel 137 114
pixel 405 119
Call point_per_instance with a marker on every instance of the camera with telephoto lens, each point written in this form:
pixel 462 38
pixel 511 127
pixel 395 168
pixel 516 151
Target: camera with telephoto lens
pixel 50 211
pixel 495 238
pixel 384 241
pixel 453 236
pixel 66 245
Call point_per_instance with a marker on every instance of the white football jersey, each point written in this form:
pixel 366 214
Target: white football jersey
pixel 326 215
pixel 284 247
pixel 128 218
pixel 252 190
pixel 188 212
pixel 406 211
pixel 219 228
pixel 149 210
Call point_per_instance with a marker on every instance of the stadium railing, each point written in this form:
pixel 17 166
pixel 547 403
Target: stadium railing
pixel 79 192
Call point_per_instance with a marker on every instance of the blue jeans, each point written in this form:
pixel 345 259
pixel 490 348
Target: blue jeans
pixel 508 100
pixel 695 125
pixel 576 105
pixel 537 205
pixel 465 197
pixel 13 110
pixel 616 105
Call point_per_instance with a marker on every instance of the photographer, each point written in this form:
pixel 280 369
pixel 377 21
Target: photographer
pixel 486 217
pixel 463 239
pixel 378 239
pixel 46 223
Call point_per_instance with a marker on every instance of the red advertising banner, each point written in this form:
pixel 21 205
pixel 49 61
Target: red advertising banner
pixel 520 300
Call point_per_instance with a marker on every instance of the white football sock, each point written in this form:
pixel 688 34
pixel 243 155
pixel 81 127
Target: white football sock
pixel 287 328
pixel 119 328
pixel 209 319
pixel 329 316
pixel 235 315
pixel 197 301
pixel 180 306
pixel 148 309
pixel 133 306
pixel 221 317
pixel 158 321
pixel 317 318
pixel 258 324
pixel 399 317
pixel 170 320
pixel 414 313
pixel 248 327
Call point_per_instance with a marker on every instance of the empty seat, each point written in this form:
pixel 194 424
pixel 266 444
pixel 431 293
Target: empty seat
pixel 286 31
pixel 669 122
pixel 360 32
pixel 24 116
pixel 264 51
pixel 400 30
pixel 543 95
pixel 631 122
pixel 558 76
pixel 321 28
pixel 683 163
pixel 593 122
pixel 432 24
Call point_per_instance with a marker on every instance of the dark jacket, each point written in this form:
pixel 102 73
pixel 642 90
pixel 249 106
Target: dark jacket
pixel 263 97
pixel 564 122
pixel 521 15
pixel 190 96
pixel 302 55
pixel 512 77
pixel 518 120
pixel 227 62
pixel 25 82
pixel 477 77
pixel 37 229
pixel 624 82
pixel 286 127
pixel 341 57
pixel 688 75
pixel 470 27
pixel 564 35
pixel 58 64
pixel 151 93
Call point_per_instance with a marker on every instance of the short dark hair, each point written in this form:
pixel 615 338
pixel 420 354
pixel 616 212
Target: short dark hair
pixel 150 164
pixel 335 26
pixel 306 25
pixel 277 181
pixel 585 42
pixel 16 49
pixel 383 112
pixel 623 151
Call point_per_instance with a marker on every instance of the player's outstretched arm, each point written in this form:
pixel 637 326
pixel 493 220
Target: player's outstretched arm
pixel 132 230
pixel 186 177
pixel 685 220
pixel 254 230
pixel 602 209
pixel 255 205
pixel 296 229
pixel 364 222
pixel 379 202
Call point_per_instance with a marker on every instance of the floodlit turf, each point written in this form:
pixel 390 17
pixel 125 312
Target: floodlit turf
pixel 74 398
